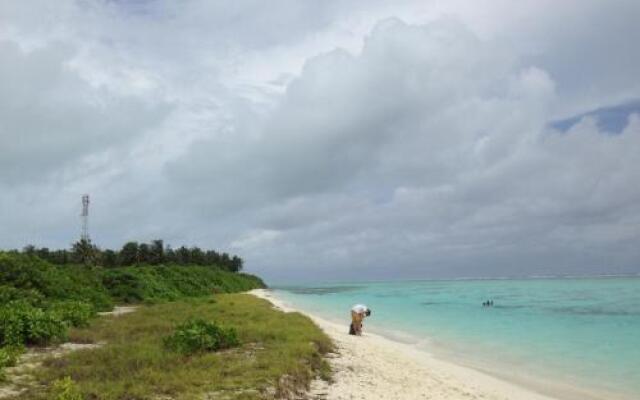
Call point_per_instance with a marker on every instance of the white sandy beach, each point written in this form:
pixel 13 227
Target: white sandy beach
pixel 373 367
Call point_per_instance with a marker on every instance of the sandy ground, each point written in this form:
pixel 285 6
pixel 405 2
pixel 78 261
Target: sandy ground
pixel 372 367
pixel 21 376
pixel 118 311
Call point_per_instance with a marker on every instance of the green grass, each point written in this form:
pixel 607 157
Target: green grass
pixel 279 352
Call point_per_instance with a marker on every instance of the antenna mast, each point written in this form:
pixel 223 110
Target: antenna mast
pixel 85 218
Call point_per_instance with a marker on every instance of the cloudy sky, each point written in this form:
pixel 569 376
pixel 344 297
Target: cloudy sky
pixel 329 139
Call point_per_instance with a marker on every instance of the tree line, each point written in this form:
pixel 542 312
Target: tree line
pixel 134 253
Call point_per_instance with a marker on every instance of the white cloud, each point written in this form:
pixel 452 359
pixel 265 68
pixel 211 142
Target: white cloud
pixel 256 239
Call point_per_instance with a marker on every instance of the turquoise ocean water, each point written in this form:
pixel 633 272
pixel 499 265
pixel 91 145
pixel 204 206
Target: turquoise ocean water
pixel 579 332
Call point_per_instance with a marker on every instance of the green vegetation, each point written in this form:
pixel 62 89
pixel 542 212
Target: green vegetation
pixel 161 283
pixel 72 312
pixel 277 356
pixel 39 301
pixel 8 358
pixel 38 282
pixel 21 323
pixel 198 335
pixel 66 389
pixel 134 253
pixel 191 339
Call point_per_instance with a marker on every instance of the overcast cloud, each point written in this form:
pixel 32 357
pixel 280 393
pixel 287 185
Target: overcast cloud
pixel 328 140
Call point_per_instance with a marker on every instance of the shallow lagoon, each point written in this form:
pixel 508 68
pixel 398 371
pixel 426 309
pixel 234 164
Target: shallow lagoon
pixel 581 332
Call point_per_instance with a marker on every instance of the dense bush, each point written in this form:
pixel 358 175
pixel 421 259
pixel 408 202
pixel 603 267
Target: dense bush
pixel 9 294
pixel 35 279
pixel 157 283
pixel 123 285
pixel 74 313
pixel 198 335
pixel 80 283
pixel 22 323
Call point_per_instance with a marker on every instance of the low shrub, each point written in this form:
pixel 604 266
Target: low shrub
pixel 198 335
pixel 21 323
pixel 66 389
pixel 74 313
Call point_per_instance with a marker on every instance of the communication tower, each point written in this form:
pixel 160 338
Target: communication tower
pixel 85 218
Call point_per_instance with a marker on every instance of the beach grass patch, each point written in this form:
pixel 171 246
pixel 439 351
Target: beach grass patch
pixel 66 389
pixel 8 358
pixel 135 363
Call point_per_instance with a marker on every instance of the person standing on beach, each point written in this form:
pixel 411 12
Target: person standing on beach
pixel 358 313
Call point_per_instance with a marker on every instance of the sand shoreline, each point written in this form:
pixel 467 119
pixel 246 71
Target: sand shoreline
pixel 375 367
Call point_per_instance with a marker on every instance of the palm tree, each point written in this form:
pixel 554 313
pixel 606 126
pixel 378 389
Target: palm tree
pixel 84 252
